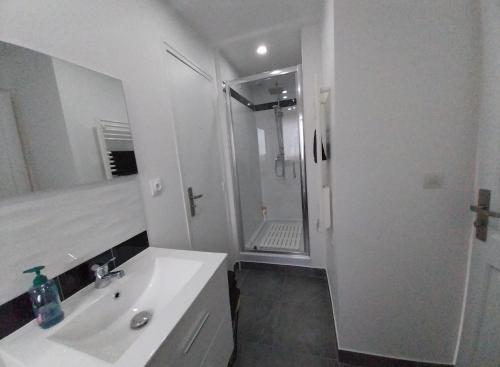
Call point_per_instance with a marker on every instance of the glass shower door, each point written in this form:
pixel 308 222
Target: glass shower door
pixel 267 142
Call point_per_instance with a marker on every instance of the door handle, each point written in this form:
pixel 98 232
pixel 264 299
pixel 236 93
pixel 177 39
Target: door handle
pixel 196 333
pixel 482 209
pixel 192 197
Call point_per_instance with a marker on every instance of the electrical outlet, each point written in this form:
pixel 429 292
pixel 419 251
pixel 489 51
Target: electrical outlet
pixel 433 181
pixel 156 186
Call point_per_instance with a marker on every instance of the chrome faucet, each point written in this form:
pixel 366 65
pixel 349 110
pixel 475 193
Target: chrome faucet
pixel 103 276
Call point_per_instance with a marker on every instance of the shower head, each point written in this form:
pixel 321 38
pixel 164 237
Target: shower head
pixel 275 90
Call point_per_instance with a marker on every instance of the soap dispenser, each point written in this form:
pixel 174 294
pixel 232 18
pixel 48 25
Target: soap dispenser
pixel 45 299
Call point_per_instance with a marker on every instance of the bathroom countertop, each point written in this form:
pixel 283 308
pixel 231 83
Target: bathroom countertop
pixel 32 346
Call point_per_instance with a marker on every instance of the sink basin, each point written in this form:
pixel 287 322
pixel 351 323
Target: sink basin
pixel 101 326
pixel 8 362
pixel 97 330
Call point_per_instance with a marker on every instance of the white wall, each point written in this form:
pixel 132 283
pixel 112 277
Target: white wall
pixel 87 97
pixel 123 39
pixel 45 228
pixel 280 195
pixel 405 105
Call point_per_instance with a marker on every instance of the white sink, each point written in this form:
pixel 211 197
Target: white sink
pixel 101 327
pixel 8 362
pixel 96 330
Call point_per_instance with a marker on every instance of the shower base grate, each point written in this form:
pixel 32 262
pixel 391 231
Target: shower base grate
pixel 281 235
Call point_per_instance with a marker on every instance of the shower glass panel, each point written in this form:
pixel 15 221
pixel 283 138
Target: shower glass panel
pixel 268 162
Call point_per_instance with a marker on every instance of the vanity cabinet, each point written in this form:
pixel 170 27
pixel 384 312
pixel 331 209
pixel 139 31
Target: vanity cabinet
pixel 203 336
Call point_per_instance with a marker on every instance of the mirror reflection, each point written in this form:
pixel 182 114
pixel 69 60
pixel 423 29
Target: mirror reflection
pixel 61 125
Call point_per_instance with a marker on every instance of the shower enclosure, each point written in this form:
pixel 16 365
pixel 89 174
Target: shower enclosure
pixel 267 140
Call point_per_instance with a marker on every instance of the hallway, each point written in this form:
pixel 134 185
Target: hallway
pixel 286 318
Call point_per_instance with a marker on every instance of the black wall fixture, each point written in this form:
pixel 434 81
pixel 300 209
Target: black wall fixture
pixel 262 106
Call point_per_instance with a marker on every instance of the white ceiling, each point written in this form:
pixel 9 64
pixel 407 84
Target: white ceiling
pixel 237 27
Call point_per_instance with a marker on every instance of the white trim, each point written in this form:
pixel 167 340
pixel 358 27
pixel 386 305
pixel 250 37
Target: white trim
pixel 444 364
pixel 276 258
pixel 168 94
pixel 172 51
pixel 464 299
pixel 333 309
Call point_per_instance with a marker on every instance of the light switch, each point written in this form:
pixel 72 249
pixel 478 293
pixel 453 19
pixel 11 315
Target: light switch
pixel 433 181
pixel 156 186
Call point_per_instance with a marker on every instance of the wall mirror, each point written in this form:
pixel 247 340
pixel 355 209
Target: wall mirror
pixel 61 125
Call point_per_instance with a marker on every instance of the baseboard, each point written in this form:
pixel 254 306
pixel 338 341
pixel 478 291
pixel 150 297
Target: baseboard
pixel 369 360
pixel 333 311
pixel 289 269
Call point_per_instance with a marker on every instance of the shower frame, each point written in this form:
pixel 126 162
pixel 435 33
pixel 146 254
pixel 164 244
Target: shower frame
pixel 303 179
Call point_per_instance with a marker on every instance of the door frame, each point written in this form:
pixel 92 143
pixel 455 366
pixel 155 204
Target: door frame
pixel 170 51
pixel 229 84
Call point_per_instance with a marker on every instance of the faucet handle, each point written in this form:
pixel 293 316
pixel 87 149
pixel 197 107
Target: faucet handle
pixel 102 268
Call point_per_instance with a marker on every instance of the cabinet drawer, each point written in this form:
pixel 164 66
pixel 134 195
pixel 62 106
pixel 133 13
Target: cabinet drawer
pixel 222 346
pixel 187 344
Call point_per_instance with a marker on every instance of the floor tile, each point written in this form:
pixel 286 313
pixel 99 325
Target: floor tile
pixel 240 276
pixel 304 291
pixel 291 359
pixel 304 330
pixel 255 315
pixel 254 355
pixel 259 355
pixel 263 284
pixel 286 319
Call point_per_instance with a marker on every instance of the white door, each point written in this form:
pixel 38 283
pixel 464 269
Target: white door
pixel 14 179
pixel 193 102
pixel 480 342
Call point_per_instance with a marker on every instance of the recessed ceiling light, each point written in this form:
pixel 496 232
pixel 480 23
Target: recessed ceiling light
pixel 275 72
pixel 285 92
pixel 261 50
pixel 284 97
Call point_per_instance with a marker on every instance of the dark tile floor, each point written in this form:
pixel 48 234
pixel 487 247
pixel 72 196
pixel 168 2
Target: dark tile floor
pixel 286 319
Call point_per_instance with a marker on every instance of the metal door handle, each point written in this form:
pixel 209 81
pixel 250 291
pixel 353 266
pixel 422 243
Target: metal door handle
pixel 196 333
pixel 484 211
pixel 483 214
pixel 192 197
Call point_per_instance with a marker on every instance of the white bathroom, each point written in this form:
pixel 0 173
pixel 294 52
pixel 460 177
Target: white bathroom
pixel 249 183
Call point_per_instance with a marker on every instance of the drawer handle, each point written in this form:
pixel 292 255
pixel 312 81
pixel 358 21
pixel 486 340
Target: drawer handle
pixel 196 333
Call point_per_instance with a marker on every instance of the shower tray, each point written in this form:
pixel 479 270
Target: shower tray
pixel 279 235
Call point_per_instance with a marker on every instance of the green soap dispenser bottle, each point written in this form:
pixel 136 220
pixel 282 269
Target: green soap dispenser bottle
pixel 45 299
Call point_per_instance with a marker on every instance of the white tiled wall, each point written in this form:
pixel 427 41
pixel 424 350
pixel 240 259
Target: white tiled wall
pixel 43 229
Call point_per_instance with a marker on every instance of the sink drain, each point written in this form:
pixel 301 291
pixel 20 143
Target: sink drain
pixel 140 320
